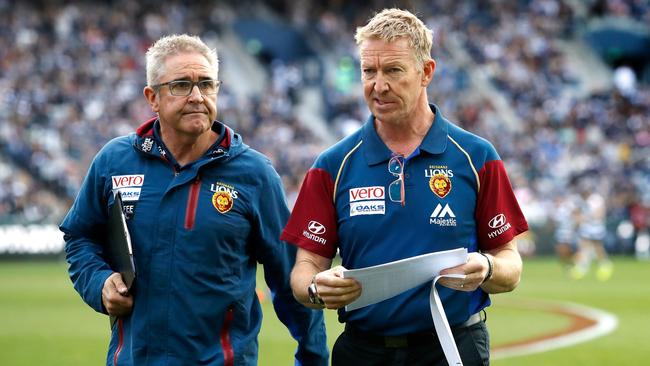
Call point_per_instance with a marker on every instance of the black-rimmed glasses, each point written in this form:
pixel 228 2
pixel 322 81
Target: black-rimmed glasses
pixel 183 88
pixel 396 191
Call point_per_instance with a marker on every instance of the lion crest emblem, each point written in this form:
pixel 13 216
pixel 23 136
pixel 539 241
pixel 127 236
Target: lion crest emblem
pixel 222 201
pixel 440 184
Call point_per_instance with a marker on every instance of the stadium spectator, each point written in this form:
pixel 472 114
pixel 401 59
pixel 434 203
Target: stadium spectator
pixel 451 191
pixel 69 82
pixel 202 209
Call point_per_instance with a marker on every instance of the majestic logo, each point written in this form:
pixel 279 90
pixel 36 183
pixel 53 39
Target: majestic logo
pixel 222 201
pixel 499 223
pixel 316 227
pixel 367 201
pixel 443 216
pixel 440 184
pixel 128 185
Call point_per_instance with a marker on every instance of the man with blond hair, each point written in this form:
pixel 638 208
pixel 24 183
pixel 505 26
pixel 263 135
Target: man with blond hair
pixel 202 209
pixel 407 183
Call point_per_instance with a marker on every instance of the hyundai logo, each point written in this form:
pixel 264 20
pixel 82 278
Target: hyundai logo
pixel 316 227
pixel 497 221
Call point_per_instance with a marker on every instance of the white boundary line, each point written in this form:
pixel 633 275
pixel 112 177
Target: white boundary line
pixel 605 324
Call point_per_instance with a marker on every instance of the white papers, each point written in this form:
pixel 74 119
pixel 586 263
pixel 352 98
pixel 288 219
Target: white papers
pixel 384 281
pixel 441 324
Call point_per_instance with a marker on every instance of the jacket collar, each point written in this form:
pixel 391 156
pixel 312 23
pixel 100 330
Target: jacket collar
pixel 148 140
pixel 149 136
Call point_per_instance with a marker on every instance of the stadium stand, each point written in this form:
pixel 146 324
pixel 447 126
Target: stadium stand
pixel 72 73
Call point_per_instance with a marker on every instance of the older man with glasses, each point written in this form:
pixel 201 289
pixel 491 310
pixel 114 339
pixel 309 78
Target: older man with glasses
pixel 202 209
pixel 445 188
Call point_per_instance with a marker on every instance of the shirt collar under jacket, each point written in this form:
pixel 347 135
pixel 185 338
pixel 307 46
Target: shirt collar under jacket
pixel 376 151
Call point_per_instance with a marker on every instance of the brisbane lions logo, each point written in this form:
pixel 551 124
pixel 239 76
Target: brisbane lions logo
pixel 222 201
pixel 440 185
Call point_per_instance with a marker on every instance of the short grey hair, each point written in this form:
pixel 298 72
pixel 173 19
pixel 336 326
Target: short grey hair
pixel 173 45
pixel 392 24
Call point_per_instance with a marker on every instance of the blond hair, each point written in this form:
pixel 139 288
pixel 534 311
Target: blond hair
pixel 392 24
pixel 173 45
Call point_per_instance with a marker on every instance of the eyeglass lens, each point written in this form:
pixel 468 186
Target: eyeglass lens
pixel 395 190
pixel 184 87
pixel 395 165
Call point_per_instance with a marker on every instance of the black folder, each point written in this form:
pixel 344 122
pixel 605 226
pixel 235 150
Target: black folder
pixel 119 252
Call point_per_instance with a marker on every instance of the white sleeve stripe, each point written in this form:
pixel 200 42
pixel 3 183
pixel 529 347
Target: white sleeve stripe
pixel 338 175
pixel 469 159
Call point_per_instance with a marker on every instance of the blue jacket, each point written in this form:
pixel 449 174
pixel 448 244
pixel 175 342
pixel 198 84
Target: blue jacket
pixel 198 232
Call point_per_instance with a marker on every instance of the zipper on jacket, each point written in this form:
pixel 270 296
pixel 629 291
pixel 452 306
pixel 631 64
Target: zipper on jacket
pixel 120 341
pixel 192 203
pixel 226 346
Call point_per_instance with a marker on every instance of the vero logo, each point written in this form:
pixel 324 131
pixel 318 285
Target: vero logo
pixel 122 181
pixel 367 193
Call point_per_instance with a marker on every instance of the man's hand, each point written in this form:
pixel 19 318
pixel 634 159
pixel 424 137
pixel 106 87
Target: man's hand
pixel 115 296
pixel 335 290
pixel 475 270
pixel 505 276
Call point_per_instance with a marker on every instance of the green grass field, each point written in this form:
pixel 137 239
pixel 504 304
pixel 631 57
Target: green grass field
pixel 44 322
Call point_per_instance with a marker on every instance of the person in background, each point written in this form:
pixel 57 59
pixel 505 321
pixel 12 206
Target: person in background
pixel 566 230
pixel 202 209
pixel 592 212
pixel 408 182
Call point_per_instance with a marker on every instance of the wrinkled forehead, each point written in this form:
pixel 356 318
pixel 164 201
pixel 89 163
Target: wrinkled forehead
pixel 372 50
pixel 189 64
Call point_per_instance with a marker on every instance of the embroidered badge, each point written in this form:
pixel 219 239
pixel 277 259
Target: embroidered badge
pixel 440 184
pixel 222 201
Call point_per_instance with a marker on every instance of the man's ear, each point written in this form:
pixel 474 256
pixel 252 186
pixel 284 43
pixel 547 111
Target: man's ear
pixel 428 71
pixel 152 98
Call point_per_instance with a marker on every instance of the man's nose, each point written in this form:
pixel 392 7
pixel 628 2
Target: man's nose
pixel 195 94
pixel 381 85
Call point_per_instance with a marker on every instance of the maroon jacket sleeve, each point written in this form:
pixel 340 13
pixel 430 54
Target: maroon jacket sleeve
pixel 312 224
pixel 498 215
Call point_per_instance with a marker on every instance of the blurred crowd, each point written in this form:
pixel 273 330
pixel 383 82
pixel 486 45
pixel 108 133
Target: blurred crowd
pixel 71 77
pixel 636 9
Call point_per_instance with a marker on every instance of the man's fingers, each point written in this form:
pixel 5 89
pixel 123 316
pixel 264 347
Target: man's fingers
pixel 115 296
pixel 119 284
